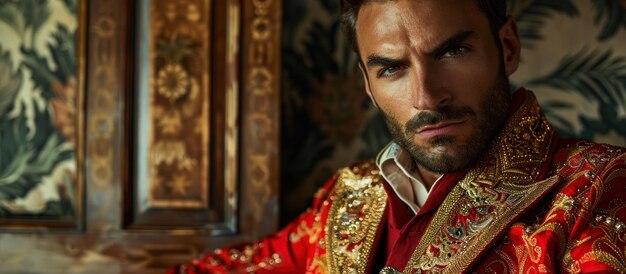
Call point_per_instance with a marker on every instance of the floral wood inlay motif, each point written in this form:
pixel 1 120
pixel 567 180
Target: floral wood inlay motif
pixel 260 121
pixel 179 101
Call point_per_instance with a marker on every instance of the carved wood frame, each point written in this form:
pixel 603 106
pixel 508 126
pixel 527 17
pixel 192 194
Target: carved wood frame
pixel 252 125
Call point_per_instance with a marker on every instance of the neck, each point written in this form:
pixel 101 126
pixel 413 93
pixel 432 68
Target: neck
pixel 428 177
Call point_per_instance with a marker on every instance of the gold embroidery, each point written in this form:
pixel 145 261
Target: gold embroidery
pixel 605 245
pixel 568 262
pixel 357 208
pixel 266 263
pixel 389 270
pixel 620 173
pixel 605 249
pixel 300 232
pixel 550 223
pixel 319 265
pixel 246 257
pixel 490 196
pixel 304 230
pixel 605 257
pixel 542 268
pixel 506 261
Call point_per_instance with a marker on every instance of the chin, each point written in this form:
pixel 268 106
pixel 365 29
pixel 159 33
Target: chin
pixel 444 146
pixel 443 152
pixel 448 158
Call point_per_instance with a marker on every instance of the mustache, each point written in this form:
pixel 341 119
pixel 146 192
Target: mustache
pixel 423 119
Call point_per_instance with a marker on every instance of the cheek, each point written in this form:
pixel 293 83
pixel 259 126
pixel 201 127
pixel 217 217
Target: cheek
pixel 394 98
pixel 472 80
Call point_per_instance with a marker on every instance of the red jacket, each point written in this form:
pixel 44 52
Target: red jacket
pixel 535 204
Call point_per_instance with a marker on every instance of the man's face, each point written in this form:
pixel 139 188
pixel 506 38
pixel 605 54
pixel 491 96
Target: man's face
pixel 435 71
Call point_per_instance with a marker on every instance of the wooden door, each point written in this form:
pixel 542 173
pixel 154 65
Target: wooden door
pixel 175 141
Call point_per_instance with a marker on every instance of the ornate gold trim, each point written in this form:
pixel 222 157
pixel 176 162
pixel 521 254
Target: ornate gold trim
pixel 489 197
pixel 358 205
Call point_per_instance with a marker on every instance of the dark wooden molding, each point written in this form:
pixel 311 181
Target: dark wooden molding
pixel 261 114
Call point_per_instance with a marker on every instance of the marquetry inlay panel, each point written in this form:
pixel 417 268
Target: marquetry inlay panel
pixel 261 108
pixel 180 45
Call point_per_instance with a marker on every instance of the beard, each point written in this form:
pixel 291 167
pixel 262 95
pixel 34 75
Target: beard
pixel 445 154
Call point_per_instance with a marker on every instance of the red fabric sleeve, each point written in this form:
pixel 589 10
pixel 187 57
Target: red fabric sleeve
pixel 598 239
pixel 285 252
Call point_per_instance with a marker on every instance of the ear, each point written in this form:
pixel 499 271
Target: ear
pixel 511 45
pixel 366 82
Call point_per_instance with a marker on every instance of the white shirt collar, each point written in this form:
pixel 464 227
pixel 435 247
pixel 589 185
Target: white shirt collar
pixel 400 171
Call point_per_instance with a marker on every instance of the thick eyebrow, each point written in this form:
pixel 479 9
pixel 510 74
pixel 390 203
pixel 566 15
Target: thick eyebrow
pixel 380 61
pixel 449 43
pixel 375 60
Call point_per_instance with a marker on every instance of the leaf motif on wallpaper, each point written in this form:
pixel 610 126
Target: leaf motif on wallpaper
pixel 57 85
pixel 25 16
pixel 325 110
pixel 328 98
pixel 25 161
pixel 37 157
pixel 319 48
pixel 10 83
pixel 293 17
pixel 10 14
pixel 613 14
pixel 71 5
pixel 599 77
pixel 321 82
pixel 63 53
pixel 531 16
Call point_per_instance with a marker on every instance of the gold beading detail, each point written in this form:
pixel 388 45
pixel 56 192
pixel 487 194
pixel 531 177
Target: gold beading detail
pixel 357 208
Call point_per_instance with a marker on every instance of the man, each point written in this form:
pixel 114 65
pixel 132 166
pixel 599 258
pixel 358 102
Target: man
pixel 476 179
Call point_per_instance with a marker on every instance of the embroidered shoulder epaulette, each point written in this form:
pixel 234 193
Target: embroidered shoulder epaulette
pixel 358 204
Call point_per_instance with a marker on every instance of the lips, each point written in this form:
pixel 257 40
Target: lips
pixel 442 128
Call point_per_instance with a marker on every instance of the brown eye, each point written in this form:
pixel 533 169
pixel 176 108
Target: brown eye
pixel 389 71
pixel 455 52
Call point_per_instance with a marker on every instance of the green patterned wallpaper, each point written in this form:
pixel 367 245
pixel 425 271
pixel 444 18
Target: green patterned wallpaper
pixel 38 88
pixel 573 57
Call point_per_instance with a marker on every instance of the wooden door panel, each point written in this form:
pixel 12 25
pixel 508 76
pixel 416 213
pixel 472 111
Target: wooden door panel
pixel 179 118
pixel 178 153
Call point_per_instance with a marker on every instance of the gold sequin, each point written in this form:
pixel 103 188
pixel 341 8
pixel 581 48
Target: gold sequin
pixel 358 206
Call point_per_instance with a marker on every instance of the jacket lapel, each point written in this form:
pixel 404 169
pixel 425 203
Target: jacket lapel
pixel 478 210
pixel 490 197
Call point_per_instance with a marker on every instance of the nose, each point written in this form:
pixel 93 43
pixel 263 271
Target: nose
pixel 429 89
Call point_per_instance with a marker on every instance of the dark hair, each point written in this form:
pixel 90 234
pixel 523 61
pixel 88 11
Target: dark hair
pixel 495 10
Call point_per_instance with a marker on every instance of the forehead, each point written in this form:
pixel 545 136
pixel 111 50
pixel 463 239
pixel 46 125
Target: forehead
pixel 419 23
